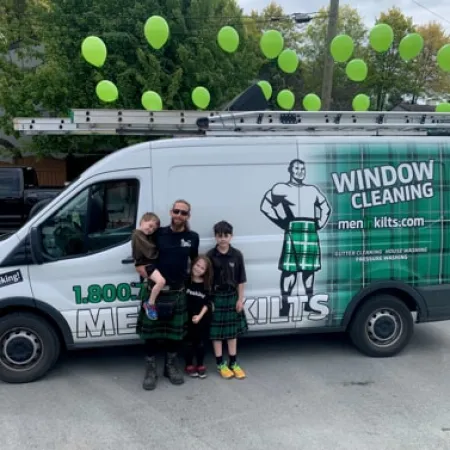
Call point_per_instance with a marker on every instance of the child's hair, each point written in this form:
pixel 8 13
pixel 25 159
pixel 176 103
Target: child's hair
pixel 150 216
pixel 208 275
pixel 223 227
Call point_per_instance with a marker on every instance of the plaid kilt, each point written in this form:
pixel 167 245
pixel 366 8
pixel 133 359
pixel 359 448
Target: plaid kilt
pixel 226 322
pixel 174 329
pixel 301 247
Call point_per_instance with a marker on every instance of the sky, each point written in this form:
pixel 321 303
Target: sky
pixel 367 9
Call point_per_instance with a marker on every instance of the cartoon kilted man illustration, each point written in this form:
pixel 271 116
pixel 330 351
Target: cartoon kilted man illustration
pixel 301 210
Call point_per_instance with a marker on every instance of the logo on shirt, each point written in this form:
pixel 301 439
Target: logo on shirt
pixel 195 293
pixel 231 264
pixel 186 243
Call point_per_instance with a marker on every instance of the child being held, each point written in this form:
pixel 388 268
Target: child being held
pixel 145 254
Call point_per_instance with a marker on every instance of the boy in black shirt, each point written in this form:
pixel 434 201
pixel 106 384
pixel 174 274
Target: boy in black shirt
pixel 228 320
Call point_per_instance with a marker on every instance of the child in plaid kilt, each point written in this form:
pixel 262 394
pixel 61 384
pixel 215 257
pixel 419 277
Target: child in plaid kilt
pixel 228 318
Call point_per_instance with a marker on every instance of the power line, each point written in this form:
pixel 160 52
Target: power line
pixel 430 11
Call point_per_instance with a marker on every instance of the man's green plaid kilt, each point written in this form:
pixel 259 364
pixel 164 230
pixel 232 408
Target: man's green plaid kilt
pixel 301 247
pixel 226 322
pixel 174 329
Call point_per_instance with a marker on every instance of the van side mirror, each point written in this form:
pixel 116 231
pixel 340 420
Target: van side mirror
pixel 36 246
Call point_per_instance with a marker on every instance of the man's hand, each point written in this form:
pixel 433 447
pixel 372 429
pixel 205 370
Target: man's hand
pixel 196 319
pixel 240 305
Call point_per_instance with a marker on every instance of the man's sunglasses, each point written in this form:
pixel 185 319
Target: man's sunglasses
pixel 180 212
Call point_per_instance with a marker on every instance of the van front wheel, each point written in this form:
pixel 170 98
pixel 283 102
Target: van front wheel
pixel 382 326
pixel 29 347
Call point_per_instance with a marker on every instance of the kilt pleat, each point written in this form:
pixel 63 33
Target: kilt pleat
pixel 226 322
pixel 301 247
pixel 174 329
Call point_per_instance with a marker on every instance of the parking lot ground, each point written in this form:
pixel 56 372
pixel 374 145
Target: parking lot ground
pixel 302 392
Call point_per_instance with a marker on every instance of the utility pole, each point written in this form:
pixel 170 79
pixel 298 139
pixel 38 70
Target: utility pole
pixel 327 82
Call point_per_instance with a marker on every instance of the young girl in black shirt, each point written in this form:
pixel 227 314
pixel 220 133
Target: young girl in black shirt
pixel 198 295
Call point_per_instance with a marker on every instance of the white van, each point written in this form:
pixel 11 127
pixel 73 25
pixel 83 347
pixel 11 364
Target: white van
pixel 338 233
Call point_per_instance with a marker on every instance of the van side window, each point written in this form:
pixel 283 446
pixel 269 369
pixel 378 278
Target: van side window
pixel 99 217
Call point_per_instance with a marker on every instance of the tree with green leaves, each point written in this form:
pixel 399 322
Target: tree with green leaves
pixel 428 78
pixel 388 74
pixel 64 80
pixel 273 17
pixel 313 55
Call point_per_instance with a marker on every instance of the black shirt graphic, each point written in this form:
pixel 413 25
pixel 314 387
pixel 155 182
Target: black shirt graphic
pixel 175 251
pixel 229 268
pixel 197 297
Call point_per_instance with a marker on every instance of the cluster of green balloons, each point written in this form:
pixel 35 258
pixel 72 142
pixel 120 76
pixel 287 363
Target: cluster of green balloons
pixel 381 38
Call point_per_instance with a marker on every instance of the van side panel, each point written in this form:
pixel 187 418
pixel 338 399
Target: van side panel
pixel 389 221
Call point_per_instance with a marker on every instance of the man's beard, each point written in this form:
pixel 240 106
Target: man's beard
pixel 178 226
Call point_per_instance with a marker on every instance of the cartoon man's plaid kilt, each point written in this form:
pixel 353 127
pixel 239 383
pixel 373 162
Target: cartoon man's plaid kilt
pixel 301 247
pixel 174 329
pixel 226 322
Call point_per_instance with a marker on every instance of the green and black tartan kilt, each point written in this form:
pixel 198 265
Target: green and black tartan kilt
pixel 174 329
pixel 226 322
pixel 301 247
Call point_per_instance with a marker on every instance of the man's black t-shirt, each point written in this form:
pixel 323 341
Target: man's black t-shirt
pixel 175 251
pixel 197 297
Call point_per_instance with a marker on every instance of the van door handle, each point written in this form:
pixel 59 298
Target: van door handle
pixel 128 260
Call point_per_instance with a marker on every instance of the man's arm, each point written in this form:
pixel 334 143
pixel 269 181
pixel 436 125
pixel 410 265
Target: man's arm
pixel 272 198
pixel 241 279
pixel 325 210
pixel 194 247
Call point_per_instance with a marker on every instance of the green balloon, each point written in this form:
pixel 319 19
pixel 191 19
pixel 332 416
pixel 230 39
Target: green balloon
pixel 356 70
pixel 286 99
pixel 410 46
pixel 443 108
pixel 361 102
pixel 228 39
pixel 312 102
pixel 266 88
pixel 156 31
pixel 341 48
pixel 443 58
pixel 151 101
pixel 107 91
pixel 288 61
pixel 201 97
pixel 381 37
pixel 271 44
pixel 94 51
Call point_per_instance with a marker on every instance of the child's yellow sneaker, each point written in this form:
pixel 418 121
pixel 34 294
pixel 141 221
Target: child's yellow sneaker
pixel 225 371
pixel 238 372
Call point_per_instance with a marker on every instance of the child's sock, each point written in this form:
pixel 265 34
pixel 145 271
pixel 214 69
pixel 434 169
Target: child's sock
pixel 219 360
pixel 232 360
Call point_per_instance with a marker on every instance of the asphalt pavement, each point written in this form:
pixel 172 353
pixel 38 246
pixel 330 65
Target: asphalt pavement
pixel 302 392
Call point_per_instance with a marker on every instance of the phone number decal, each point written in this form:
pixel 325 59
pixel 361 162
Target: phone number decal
pixel 108 293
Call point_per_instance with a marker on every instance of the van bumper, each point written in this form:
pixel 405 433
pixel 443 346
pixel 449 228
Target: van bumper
pixel 437 301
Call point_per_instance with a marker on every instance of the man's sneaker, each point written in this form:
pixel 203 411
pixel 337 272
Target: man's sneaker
pixel 151 312
pixel 191 371
pixel 225 371
pixel 201 370
pixel 238 372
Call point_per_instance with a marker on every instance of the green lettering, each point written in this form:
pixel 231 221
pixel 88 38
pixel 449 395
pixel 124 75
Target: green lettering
pixel 78 296
pixel 109 293
pixel 94 293
pixel 124 292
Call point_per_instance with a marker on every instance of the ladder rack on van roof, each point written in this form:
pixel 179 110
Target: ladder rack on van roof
pixel 226 123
